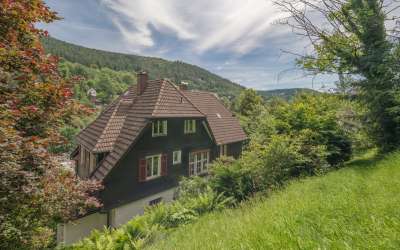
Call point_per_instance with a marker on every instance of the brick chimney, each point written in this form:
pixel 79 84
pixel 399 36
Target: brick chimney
pixel 142 78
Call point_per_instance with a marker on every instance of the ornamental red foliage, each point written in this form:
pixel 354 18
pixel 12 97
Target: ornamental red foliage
pixel 36 192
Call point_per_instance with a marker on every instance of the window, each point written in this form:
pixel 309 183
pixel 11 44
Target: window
pixel 198 162
pixel 155 201
pixel 223 150
pixel 159 128
pixel 153 166
pixel 87 163
pixel 190 126
pixel 176 159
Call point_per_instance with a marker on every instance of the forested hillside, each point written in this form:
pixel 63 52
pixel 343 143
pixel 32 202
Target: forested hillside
pixel 108 83
pixel 177 71
pixel 286 94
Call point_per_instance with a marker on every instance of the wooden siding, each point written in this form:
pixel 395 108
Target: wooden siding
pixel 122 184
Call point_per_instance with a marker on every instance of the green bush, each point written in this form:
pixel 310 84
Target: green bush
pixel 156 219
pixel 191 187
pixel 232 179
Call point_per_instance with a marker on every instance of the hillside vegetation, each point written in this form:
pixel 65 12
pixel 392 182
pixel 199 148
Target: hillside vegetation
pixel 286 94
pixel 108 83
pixel 353 208
pixel 111 73
pixel 198 78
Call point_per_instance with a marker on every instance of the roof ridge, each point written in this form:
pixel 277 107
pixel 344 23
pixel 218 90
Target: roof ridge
pixel 134 100
pixel 218 100
pixel 107 125
pixel 103 112
pixel 114 104
pixel 187 98
pixel 158 97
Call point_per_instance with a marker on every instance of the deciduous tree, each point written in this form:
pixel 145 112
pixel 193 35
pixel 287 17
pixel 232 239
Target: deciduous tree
pixel 350 38
pixel 35 190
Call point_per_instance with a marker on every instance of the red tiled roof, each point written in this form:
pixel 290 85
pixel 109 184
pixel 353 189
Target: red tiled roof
pixel 225 127
pixel 121 123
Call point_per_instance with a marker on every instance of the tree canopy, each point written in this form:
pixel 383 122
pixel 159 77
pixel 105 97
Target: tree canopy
pixel 35 190
pixel 355 44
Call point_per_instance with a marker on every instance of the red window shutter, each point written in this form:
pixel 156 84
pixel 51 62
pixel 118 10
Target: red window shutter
pixel 142 170
pixel 164 165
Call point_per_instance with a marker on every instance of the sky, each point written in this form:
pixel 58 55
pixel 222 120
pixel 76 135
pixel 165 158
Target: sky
pixel 240 40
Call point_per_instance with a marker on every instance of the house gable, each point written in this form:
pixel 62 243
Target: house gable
pixel 119 126
pixel 122 182
pixel 160 98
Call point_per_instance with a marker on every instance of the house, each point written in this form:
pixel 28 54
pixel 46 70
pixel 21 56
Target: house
pixel 92 94
pixel 143 142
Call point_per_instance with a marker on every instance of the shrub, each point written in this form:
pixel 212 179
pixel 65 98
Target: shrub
pixel 191 187
pixel 232 179
pixel 142 229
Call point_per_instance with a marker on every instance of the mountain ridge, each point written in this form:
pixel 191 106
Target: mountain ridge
pixel 197 77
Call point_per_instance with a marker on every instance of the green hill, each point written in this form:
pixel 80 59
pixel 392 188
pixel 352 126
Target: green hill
pixel 354 208
pixel 198 78
pixel 96 64
pixel 286 94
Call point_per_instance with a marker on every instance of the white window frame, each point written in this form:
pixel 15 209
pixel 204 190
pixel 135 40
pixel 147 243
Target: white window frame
pixel 223 150
pixel 179 157
pixel 190 126
pixel 151 158
pixel 198 162
pixel 159 128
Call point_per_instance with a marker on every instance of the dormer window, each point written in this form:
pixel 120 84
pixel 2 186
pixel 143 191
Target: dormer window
pixel 159 128
pixel 190 126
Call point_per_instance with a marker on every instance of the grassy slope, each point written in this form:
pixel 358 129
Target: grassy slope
pixel 354 208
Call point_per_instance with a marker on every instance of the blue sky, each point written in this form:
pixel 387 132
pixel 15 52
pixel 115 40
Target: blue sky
pixel 237 39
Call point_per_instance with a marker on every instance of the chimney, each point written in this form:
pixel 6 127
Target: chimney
pixel 183 86
pixel 142 78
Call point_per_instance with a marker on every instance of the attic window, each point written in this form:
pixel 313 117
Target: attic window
pixel 159 128
pixel 218 115
pixel 190 126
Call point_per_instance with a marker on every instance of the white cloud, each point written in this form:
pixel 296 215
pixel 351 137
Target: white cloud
pixel 234 25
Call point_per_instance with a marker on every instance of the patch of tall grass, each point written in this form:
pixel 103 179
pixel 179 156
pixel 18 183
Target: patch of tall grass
pixel 353 208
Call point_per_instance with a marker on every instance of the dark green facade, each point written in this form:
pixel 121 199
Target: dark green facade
pixel 122 184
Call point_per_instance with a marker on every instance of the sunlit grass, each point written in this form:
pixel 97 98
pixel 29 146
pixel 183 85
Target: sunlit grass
pixel 357 207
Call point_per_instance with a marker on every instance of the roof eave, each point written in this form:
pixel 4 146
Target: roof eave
pixel 219 143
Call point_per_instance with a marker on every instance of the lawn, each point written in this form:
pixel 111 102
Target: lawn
pixel 357 207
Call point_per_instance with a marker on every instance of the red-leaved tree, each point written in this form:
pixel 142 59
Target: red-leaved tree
pixel 36 192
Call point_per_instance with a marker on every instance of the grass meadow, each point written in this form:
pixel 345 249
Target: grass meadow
pixel 356 207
